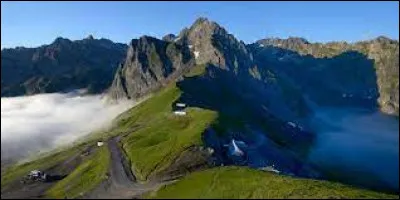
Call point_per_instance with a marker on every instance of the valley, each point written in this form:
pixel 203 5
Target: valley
pixel 300 120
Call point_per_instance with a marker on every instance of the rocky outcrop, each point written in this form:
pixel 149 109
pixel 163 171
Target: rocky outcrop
pixel 61 66
pixel 212 44
pixel 150 63
pixel 169 38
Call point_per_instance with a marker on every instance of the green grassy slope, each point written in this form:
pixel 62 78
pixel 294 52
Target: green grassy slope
pixel 162 136
pixel 42 163
pixel 84 178
pixel 237 182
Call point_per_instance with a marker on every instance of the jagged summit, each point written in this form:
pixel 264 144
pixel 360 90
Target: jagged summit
pixel 89 37
pixel 60 40
pixel 201 19
pixel 169 37
pixel 282 41
pixel 203 22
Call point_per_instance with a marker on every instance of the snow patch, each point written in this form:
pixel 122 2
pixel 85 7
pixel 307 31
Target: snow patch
pixel 292 124
pixel 270 169
pixel 196 54
pixel 235 149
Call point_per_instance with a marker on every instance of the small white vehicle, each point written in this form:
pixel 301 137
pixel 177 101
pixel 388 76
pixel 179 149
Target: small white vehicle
pixel 35 175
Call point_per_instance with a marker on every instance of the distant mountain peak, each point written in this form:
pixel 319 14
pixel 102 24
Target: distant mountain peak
pixel 290 39
pixel 61 40
pixel 299 39
pixel 169 37
pixel 90 37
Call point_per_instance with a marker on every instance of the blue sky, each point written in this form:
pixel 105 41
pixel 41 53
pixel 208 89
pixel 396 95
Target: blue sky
pixel 35 23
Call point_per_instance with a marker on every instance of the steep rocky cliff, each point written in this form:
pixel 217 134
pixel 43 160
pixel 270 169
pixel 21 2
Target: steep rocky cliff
pixel 372 64
pixel 150 63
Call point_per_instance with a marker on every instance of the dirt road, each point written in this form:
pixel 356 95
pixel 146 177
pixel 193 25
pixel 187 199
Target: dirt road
pixel 121 182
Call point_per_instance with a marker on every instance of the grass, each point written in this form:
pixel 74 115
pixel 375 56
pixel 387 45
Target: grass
pixel 84 178
pixel 240 182
pixel 43 163
pixel 198 70
pixel 162 136
pixel 140 115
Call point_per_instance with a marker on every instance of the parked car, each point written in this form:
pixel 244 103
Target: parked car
pixel 35 175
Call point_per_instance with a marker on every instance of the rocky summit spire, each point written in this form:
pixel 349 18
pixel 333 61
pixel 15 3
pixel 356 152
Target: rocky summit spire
pixel 90 37
pixel 211 43
pixel 201 20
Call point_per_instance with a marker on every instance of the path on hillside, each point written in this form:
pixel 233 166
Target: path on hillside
pixel 18 190
pixel 121 182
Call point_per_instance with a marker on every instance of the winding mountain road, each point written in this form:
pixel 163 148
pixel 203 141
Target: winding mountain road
pixel 121 182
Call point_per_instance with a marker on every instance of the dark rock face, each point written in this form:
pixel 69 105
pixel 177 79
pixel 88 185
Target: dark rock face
pixel 169 38
pixel 61 66
pixel 364 71
pixel 214 45
pixel 258 152
pixel 276 72
pixel 150 63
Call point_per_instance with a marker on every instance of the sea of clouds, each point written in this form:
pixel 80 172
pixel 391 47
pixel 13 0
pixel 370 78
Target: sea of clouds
pixel 359 144
pixel 38 123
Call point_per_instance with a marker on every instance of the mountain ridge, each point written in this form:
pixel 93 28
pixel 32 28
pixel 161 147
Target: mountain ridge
pixel 204 41
pixel 259 95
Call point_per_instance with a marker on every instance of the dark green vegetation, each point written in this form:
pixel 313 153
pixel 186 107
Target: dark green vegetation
pixel 239 104
pixel 236 182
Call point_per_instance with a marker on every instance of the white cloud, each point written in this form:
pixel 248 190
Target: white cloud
pixel 43 122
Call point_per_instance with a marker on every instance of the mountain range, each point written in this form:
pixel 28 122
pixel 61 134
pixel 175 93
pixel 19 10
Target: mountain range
pixel 360 71
pixel 262 93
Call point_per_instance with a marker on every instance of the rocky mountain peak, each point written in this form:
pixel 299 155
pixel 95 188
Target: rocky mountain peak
pixel 298 40
pixel 211 43
pixel 290 41
pixel 89 37
pixel 169 37
pixel 201 20
pixel 61 40
pixel 203 24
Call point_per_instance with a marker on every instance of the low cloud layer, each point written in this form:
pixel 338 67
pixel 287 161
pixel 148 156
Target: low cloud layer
pixel 360 144
pixel 43 122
